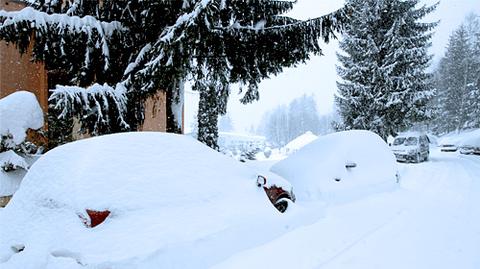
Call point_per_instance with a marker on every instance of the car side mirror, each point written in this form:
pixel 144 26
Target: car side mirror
pixel 350 165
pixel 261 181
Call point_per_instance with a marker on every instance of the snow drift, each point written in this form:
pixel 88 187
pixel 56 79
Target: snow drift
pixel 300 142
pixel 340 167
pixel 173 201
pixel 19 112
pixel 471 138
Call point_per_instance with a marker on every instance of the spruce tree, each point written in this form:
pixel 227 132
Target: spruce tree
pixel 118 53
pixel 286 123
pixel 384 85
pixel 457 83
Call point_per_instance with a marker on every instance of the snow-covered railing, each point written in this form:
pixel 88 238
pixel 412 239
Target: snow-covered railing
pixel 95 100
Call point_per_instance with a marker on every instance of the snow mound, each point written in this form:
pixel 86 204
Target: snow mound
pixel 10 182
pixel 300 142
pixel 471 139
pixel 19 112
pixel 173 201
pixel 457 137
pixel 319 170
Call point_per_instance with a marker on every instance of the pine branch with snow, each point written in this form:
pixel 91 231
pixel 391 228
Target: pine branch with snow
pixel 151 46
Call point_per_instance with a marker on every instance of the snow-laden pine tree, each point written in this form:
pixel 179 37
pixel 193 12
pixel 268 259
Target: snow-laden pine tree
pixel 285 123
pixel 474 98
pixel 384 85
pixel 115 54
pixel 457 81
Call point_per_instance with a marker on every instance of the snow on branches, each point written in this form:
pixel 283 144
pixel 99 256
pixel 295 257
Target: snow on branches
pixel 148 46
pixel 29 20
pixel 97 100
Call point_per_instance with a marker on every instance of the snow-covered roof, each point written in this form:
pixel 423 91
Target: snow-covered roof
pixel 301 141
pixel 19 112
pixel 240 136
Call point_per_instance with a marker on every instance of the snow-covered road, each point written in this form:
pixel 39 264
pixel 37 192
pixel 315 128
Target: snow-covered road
pixel 432 221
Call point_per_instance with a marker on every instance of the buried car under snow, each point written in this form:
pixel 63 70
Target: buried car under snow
pixel 470 144
pixel 411 147
pixel 340 167
pixel 137 200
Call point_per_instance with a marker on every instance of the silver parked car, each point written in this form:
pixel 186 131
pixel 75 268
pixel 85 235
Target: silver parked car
pixel 411 147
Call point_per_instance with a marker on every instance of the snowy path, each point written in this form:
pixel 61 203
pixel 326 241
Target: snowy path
pixel 433 221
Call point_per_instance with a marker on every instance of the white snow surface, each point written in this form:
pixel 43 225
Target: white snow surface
pixel 173 202
pixel 318 170
pixel 300 142
pixel 431 221
pixel 471 139
pixel 457 137
pixel 10 182
pixel 19 112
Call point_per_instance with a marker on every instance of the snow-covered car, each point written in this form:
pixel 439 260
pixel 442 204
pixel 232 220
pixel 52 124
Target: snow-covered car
pixel 411 147
pixel 467 149
pixel 136 200
pixel 340 167
pixel 470 144
pixel 448 147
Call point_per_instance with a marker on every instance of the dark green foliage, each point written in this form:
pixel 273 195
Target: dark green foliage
pixel 148 46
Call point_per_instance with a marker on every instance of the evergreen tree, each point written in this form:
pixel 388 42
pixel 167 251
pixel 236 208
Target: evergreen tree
pixel 117 53
pixel 285 123
pixel 457 80
pixel 384 86
pixel 454 76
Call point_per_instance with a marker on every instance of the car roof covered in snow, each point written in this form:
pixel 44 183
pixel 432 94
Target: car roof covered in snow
pixel 410 134
pixel 319 170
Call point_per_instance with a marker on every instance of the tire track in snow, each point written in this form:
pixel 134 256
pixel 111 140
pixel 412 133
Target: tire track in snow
pixel 426 218
pixel 441 232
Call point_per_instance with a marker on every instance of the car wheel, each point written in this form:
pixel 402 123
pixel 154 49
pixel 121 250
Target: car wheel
pixel 282 204
pixel 417 158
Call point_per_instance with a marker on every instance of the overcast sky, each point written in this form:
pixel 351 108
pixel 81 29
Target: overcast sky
pixel 318 76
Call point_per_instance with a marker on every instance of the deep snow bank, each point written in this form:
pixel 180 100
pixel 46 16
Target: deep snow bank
pixel 471 138
pixel 173 202
pixel 19 112
pixel 318 170
pixel 458 137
